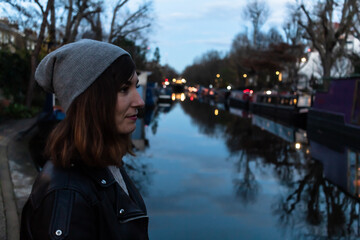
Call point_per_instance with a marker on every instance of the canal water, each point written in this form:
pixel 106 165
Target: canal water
pixel 209 172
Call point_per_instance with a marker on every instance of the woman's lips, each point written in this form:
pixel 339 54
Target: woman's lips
pixel 133 117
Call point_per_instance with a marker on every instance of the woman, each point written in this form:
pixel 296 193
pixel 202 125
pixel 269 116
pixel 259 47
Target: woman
pixel 83 192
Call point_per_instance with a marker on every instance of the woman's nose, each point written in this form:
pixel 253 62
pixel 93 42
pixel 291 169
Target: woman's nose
pixel 138 101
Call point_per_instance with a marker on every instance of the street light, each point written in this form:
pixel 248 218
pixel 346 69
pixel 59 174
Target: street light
pixel 303 59
pixel 278 73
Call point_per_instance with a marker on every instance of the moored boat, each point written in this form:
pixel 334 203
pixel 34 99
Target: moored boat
pixel 285 107
pixel 337 111
pixel 240 98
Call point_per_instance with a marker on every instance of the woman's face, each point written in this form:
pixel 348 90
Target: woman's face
pixel 127 105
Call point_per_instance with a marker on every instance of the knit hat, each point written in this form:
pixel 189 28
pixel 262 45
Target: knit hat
pixel 71 69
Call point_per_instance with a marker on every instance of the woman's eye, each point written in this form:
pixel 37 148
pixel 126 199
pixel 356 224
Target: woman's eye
pixel 124 89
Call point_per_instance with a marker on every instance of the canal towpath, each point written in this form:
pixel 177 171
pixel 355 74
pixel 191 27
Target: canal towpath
pixel 17 174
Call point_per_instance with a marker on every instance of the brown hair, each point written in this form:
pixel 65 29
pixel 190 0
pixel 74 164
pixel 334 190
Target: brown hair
pixel 88 133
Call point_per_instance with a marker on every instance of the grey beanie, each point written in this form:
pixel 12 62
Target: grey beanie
pixel 71 69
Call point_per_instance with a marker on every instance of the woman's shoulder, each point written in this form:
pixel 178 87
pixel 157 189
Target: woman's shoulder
pixel 52 179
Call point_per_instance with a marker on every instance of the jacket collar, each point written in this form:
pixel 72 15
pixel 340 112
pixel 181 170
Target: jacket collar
pixel 101 176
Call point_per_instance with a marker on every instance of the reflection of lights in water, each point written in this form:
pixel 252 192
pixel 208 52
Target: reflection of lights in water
pixel 182 98
pixel 216 112
pixel 178 96
pixel 297 145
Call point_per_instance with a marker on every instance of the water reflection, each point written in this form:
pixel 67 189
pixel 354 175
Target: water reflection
pixel 306 186
pixel 255 145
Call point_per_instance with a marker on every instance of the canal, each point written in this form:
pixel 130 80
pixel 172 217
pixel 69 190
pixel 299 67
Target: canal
pixel 210 173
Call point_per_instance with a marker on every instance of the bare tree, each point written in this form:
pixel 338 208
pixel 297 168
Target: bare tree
pixel 327 36
pixel 294 37
pixel 258 12
pixel 36 52
pixel 76 12
pixel 70 16
pixel 356 27
pixel 131 23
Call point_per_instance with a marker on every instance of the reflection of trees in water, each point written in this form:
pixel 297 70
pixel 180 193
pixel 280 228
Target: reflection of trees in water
pixel 314 209
pixel 324 209
pixel 152 115
pixel 139 173
pixel 252 142
pixel 246 186
pixel 203 116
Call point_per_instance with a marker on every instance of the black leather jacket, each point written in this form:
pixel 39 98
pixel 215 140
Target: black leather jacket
pixel 83 203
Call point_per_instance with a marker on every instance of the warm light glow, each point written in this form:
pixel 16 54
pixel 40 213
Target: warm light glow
pixel 295 101
pixel 297 145
pixel 183 80
pixel 216 112
pixel 228 88
pixel 182 97
pixel 245 75
pixel 174 80
pixel 307 151
pixel 303 59
pixel 277 72
pixel 280 77
pixel 217 75
pixel 167 83
pixel 268 92
pixel 192 89
pixel 178 96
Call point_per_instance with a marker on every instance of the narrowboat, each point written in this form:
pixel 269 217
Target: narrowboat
pixel 340 161
pixel 285 107
pixel 337 111
pixel 290 134
pixel 240 98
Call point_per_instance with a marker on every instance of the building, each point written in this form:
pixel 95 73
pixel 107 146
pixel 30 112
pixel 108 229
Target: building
pixel 311 69
pixel 11 37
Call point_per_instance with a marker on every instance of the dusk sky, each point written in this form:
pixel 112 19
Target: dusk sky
pixel 187 29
